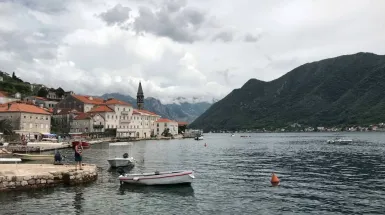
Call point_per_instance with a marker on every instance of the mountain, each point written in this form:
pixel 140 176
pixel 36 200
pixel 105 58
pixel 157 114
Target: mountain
pixel 181 111
pixel 344 90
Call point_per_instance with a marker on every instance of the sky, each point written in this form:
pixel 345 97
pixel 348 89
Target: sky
pixel 198 50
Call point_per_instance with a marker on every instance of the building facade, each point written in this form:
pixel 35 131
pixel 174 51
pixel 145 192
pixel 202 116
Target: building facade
pixel 41 102
pixel 26 119
pixel 143 123
pixel 88 123
pixel 162 124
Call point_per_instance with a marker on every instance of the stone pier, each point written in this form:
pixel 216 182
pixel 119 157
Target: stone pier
pixel 30 176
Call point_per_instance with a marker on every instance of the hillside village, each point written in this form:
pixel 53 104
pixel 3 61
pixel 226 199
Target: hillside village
pixel 35 110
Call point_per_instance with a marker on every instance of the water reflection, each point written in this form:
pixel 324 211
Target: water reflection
pixel 78 200
pixel 178 190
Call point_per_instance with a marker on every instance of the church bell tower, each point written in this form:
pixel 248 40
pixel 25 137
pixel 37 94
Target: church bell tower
pixel 140 98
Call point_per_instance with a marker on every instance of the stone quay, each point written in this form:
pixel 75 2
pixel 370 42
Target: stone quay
pixel 31 176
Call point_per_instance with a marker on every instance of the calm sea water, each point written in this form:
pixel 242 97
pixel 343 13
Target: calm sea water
pixel 232 177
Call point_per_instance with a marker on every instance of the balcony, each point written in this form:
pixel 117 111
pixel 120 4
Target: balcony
pixel 98 126
pixel 123 121
pixel 124 112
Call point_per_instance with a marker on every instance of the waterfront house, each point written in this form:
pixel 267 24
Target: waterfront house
pixel 143 123
pixel 162 124
pixel 88 123
pixel 26 118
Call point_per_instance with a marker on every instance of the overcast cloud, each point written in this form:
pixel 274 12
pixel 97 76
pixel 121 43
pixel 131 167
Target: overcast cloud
pixel 178 48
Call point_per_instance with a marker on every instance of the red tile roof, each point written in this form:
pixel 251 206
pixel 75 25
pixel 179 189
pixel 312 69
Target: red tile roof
pixel 99 101
pixel 3 94
pixel 147 112
pixel 89 99
pixel 182 123
pixel 165 120
pixel 22 107
pixel 82 116
pixel 101 108
pixel 114 101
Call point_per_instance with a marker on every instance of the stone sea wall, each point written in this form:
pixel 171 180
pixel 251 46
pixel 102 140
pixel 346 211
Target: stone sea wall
pixel 50 179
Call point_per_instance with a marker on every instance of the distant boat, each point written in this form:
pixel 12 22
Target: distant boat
pixel 340 141
pixel 198 138
pixel 232 135
pixel 159 178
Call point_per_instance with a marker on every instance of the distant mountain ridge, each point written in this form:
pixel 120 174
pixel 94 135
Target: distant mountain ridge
pixel 181 111
pixel 345 90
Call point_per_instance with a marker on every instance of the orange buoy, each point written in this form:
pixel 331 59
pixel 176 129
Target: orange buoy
pixel 274 180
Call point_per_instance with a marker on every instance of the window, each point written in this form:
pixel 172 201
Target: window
pixel 46 118
pixel 118 108
pixel 25 116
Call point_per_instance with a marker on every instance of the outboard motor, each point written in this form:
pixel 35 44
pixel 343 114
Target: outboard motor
pixel 125 155
pixel 120 171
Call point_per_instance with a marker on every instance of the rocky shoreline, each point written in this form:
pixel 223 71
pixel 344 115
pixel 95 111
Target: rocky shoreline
pixel 32 176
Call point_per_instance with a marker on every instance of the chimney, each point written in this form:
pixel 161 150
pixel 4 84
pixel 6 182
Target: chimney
pixel 9 106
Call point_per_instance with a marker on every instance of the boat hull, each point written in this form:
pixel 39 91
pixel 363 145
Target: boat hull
pixel 29 157
pixel 340 142
pixel 120 162
pixel 84 144
pixel 165 178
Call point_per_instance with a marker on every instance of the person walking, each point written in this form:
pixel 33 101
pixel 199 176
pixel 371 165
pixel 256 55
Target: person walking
pixel 78 155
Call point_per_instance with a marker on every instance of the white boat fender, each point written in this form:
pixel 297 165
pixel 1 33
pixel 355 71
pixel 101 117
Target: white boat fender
pixel 191 176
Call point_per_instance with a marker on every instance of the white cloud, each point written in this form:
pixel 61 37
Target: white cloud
pixel 197 49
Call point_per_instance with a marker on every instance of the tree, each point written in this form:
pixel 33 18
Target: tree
pixel 182 128
pixel 43 92
pixel 13 75
pixel 6 127
pixel 166 133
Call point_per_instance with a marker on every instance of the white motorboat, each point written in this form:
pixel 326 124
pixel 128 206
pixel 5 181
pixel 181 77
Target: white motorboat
pixel 198 138
pixel 123 161
pixel 340 141
pixel 159 178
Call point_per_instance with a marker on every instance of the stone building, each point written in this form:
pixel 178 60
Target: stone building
pixel 26 119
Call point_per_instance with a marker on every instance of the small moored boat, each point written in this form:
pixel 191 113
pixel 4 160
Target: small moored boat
pixel 32 157
pixel 340 141
pixel 198 138
pixel 124 161
pixel 159 178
